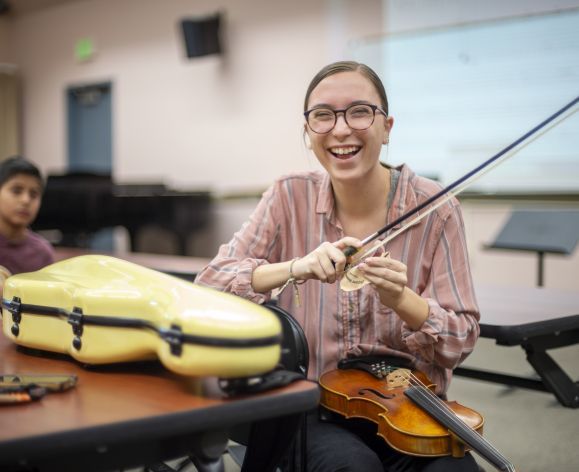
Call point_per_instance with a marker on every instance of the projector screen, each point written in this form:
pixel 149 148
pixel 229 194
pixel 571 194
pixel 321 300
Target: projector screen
pixel 460 95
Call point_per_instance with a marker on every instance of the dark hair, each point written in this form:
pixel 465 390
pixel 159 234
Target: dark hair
pixel 18 165
pixel 348 66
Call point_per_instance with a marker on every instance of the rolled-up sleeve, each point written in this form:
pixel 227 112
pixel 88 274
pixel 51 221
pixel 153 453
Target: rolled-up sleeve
pixel 255 244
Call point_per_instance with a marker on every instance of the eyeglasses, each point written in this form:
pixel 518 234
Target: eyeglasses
pixel 357 116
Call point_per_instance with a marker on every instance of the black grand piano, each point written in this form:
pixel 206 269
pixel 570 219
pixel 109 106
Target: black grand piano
pixel 79 204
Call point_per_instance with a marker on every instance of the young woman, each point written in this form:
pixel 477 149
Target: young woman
pixel 420 302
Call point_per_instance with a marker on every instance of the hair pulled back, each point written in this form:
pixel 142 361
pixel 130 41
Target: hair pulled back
pixel 348 66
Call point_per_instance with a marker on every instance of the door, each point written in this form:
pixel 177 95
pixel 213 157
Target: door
pixel 89 128
pixel 90 141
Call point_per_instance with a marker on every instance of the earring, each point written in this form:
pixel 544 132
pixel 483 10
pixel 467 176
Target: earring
pixel 308 142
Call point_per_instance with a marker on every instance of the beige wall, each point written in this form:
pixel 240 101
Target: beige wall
pixel 228 123
pixel 3 40
pixel 9 112
pixel 10 105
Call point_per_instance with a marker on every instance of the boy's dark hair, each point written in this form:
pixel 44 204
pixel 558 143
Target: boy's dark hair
pixel 18 165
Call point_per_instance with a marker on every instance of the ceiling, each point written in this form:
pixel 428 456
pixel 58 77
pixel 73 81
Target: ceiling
pixel 22 7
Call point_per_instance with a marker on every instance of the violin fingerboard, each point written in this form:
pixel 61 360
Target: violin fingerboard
pixel 439 411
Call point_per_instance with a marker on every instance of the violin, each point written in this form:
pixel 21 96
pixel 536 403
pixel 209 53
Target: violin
pixel 410 417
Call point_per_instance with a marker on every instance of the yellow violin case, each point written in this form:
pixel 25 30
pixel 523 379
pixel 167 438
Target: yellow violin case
pixel 100 309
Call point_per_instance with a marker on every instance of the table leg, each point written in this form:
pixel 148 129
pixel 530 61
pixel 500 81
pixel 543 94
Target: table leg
pixel 553 377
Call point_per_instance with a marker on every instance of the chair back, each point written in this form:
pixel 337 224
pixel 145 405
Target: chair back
pixel 294 347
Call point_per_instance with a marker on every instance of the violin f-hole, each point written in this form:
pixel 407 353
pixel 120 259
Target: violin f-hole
pixel 363 391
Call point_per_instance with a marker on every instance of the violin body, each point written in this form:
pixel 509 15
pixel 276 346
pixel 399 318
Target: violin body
pixel 404 425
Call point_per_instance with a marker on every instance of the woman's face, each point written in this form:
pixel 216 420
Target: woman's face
pixel 348 154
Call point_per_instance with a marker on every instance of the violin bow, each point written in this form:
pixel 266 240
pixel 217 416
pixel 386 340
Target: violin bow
pixel 353 281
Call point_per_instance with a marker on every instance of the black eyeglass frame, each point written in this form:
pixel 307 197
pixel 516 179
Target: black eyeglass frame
pixel 374 108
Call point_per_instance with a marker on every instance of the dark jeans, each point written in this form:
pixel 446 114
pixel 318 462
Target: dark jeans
pixel 353 446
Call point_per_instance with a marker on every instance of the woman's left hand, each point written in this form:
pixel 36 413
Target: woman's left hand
pixel 387 276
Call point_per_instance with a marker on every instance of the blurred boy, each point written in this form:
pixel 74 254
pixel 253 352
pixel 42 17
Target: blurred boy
pixel 21 250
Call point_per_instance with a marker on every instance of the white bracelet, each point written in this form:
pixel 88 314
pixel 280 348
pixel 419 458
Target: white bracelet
pixel 292 280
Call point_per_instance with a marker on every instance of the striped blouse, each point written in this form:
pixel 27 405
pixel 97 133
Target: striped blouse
pixel 296 214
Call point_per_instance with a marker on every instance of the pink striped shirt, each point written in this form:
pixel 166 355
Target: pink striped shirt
pixel 296 214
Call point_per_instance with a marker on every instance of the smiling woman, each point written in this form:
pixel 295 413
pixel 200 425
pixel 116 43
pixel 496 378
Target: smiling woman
pixel 419 303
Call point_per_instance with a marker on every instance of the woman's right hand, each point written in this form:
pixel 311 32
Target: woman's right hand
pixel 326 262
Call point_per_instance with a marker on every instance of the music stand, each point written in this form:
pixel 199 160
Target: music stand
pixel 540 231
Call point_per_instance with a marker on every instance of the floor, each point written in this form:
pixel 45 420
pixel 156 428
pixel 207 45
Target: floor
pixel 531 428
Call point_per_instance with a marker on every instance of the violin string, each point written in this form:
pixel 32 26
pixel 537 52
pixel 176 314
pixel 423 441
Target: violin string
pixel 490 452
pixel 443 407
pixel 413 380
pixel 467 434
pixel 421 389
pixel 468 181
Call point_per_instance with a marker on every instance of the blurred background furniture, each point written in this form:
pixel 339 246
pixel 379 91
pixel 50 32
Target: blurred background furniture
pixel 79 204
pixel 537 319
pixel 552 231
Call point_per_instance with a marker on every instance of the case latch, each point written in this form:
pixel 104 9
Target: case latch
pixel 174 337
pixel 15 308
pixel 76 321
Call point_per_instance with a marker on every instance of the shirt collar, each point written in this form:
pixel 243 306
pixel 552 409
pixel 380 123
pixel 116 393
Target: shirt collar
pixel 326 200
pixel 404 197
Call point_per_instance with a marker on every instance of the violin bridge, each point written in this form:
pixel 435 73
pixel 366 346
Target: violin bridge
pixel 398 378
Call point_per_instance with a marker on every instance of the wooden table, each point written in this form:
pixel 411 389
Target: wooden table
pixel 537 319
pixel 131 414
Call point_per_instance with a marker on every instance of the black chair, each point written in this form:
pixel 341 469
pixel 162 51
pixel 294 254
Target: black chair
pixel 294 359
pixel 266 435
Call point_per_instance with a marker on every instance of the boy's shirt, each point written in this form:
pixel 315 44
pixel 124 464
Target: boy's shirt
pixel 32 253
